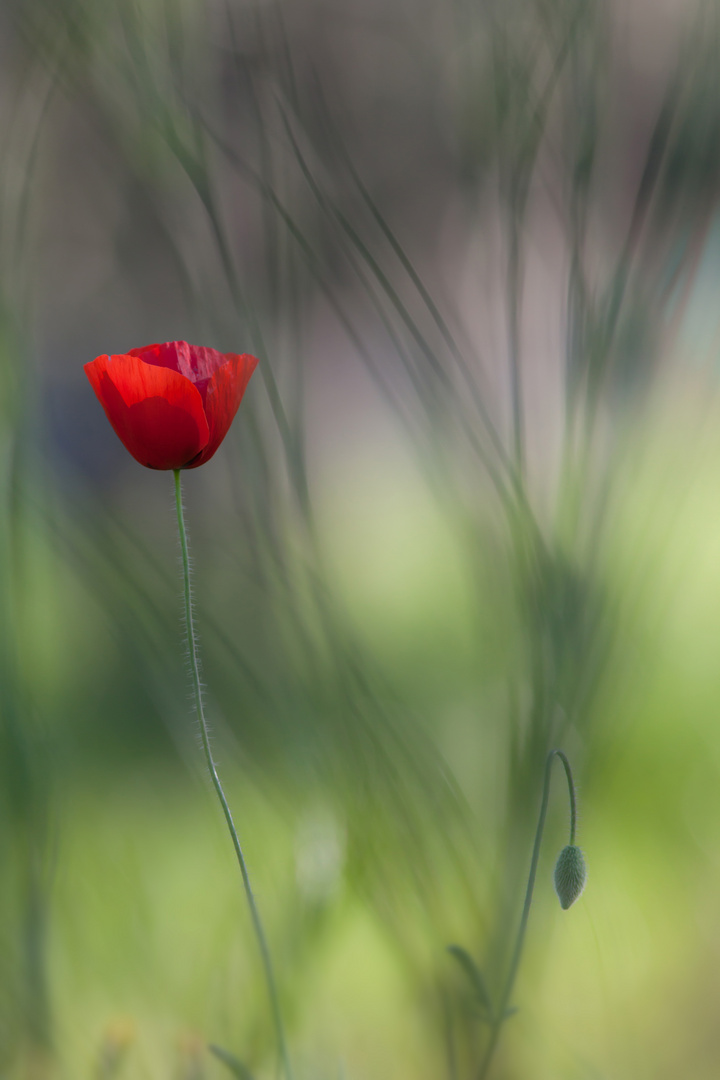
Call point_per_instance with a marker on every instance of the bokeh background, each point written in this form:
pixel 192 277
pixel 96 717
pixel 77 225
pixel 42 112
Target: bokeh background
pixel 468 512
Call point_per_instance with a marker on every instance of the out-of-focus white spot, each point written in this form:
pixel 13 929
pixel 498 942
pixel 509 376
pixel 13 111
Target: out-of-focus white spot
pixel 319 854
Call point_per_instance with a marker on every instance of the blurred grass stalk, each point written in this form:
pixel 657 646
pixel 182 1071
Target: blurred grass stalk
pixel 544 69
pixel 26 1028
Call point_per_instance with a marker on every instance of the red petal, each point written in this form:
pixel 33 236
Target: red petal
pixel 195 362
pixel 156 412
pixel 223 393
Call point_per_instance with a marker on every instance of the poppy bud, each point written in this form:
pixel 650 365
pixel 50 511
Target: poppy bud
pixel 570 875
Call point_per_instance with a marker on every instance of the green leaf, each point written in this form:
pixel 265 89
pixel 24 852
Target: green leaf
pixel 235 1066
pixel 472 974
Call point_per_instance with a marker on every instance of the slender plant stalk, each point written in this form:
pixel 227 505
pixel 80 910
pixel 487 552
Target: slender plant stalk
pixel 197 689
pixel 514 277
pixel 501 1012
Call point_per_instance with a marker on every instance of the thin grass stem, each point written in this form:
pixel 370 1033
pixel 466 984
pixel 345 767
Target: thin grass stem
pixel 502 1009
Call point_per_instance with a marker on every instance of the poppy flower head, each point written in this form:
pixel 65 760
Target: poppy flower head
pixel 171 405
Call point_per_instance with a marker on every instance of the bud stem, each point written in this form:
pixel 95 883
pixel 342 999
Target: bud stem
pixel 204 733
pixel 500 1014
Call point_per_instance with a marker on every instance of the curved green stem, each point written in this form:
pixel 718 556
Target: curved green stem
pixel 197 689
pixel 571 792
pixel 500 1015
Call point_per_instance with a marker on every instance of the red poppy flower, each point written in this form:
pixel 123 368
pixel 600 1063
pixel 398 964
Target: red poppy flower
pixel 171 405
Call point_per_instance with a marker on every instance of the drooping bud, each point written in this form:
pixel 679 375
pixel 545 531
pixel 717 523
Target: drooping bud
pixel 570 875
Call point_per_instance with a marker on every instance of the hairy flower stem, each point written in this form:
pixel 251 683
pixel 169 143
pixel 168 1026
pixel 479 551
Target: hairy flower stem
pixel 501 1012
pixel 197 690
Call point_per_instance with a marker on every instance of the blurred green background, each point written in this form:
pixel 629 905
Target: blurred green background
pixel 469 511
